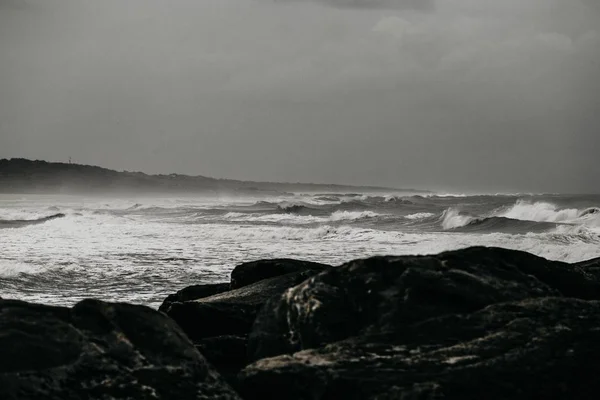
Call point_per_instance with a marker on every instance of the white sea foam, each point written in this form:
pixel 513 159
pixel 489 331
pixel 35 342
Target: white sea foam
pixel 548 212
pixel 540 212
pixel 352 215
pixel 336 216
pixel 421 215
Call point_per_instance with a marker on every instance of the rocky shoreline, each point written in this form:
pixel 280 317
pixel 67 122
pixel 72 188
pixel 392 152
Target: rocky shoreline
pixel 478 323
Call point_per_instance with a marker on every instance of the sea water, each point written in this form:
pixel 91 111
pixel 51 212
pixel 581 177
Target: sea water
pixel 61 249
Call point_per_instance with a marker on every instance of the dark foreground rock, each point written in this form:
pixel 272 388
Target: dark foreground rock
pixel 545 348
pixel 591 267
pixel 469 324
pixel 193 293
pixel 232 312
pixel 479 323
pixel 384 294
pixel 100 350
pixel 219 323
pixel 255 271
pixel 226 353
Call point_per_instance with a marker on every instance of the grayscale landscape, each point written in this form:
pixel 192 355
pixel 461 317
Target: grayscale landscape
pixel 299 199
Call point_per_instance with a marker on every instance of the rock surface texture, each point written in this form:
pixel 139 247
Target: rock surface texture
pixel 467 324
pixel 251 272
pixel 219 324
pixel 100 350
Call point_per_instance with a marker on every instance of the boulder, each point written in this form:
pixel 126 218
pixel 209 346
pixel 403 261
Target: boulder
pixel 232 312
pixel 251 272
pixel 384 294
pixel 541 348
pixel 193 293
pixel 98 350
pixel 213 322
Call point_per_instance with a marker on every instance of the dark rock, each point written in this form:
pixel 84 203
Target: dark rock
pixel 258 293
pixel 384 294
pixel 201 320
pixel 251 272
pixel 193 293
pixel 591 267
pixel 216 318
pixel 543 348
pixel 226 353
pixel 232 312
pixel 100 350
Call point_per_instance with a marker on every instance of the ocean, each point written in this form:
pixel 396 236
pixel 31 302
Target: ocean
pixel 60 249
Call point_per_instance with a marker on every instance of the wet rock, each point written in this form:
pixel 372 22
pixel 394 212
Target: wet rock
pixel 100 350
pixel 259 292
pixel 542 348
pixel 193 293
pixel 384 294
pixel 232 312
pixel 218 318
pixel 251 272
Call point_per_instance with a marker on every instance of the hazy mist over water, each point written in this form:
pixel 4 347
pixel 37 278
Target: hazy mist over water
pixel 456 95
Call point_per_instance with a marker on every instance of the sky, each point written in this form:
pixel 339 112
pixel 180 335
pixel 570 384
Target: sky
pixel 454 95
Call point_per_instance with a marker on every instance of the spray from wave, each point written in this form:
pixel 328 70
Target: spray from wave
pixel 523 217
pixel 540 211
pixel 548 212
pixel 452 218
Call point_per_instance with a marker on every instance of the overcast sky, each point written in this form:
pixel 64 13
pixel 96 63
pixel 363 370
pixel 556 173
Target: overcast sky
pixel 458 95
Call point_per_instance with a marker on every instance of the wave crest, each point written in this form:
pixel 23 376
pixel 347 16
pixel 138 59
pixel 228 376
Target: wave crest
pixel 352 215
pixel 540 211
pixel 452 218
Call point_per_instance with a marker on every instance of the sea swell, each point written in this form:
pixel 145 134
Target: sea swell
pixel 19 223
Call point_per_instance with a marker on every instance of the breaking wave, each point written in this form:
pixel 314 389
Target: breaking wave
pixel 548 212
pixel 541 212
pixel 522 217
pixel 505 225
pixel 452 218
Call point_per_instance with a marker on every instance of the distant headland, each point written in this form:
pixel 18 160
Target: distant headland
pixel 18 175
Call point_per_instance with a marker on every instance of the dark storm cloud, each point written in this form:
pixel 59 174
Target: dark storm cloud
pixel 475 95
